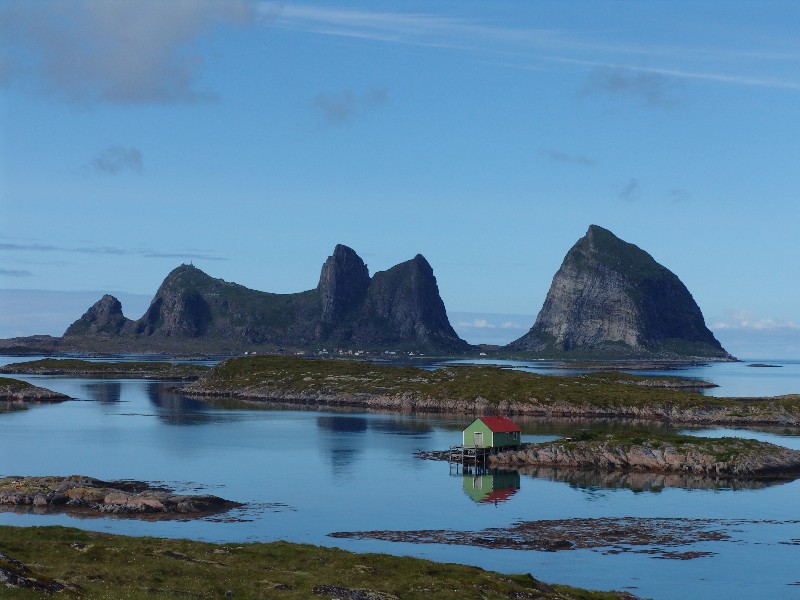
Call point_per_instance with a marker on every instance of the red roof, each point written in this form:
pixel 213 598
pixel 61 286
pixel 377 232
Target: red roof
pixel 500 424
pixel 500 495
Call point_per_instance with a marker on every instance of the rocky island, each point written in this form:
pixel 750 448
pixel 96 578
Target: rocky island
pixel 86 368
pixel 13 390
pixel 86 496
pixel 480 390
pixel 610 298
pixel 652 453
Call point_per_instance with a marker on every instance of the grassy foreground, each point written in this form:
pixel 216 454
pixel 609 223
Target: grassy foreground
pixel 97 565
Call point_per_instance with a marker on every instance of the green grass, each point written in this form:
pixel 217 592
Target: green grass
pixel 494 384
pixel 99 565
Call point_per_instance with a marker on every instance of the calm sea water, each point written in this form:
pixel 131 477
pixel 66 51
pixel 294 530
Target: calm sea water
pixel 308 473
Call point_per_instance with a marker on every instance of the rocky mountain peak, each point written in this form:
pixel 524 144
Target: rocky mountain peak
pixel 610 296
pixel 103 318
pixel 343 284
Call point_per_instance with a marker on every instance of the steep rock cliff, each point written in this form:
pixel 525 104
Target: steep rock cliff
pixel 611 297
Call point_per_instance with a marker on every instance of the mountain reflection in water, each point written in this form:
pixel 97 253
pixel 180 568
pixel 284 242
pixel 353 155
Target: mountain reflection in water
pixel 105 392
pixel 177 409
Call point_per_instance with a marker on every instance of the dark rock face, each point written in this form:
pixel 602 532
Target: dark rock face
pixel 611 297
pixel 400 307
pixel 104 318
pixel 342 285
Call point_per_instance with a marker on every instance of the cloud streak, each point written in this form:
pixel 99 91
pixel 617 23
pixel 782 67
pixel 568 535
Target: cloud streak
pixel 100 51
pixel 107 250
pixel 527 45
pixel 563 157
pixel 15 273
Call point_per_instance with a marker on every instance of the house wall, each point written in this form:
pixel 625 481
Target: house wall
pixel 509 438
pixel 490 438
pixel 467 438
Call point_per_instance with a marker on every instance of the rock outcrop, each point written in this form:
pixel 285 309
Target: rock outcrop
pixel 395 309
pixel 13 390
pixel 611 298
pixel 77 494
pixel 705 456
pixel 104 318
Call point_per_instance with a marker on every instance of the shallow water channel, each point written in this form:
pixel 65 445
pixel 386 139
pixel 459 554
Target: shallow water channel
pixel 305 474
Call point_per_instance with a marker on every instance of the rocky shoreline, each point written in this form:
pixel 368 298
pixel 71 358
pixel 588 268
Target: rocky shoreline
pixel 85 496
pixel 743 411
pixel 713 457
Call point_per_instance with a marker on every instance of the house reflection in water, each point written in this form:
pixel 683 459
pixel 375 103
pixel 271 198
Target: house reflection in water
pixel 490 486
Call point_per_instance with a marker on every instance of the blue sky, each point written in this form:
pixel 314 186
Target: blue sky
pixel 252 137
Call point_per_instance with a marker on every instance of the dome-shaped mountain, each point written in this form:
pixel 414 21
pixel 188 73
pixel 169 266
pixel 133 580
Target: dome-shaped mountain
pixel 612 298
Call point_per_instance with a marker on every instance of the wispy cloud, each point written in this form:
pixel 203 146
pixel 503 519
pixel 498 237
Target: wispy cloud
pixel 630 191
pixel 108 250
pixel 563 157
pixel 532 47
pixel 90 51
pixel 14 273
pixel 652 88
pixel 678 195
pixel 339 108
pixel 116 159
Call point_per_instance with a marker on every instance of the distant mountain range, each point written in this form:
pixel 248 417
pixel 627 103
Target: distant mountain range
pixel 609 299
pixel 398 309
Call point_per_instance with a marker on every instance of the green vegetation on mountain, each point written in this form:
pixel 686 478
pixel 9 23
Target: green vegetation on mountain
pixel 82 564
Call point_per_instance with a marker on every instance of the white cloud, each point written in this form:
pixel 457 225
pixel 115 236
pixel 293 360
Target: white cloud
pixel 745 319
pixel 476 324
pixel 114 51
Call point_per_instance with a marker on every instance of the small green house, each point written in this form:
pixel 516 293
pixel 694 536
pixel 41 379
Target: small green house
pixel 491 432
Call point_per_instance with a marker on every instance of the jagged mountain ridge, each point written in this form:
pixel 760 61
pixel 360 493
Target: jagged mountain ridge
pixel 611 297
pixel 399 307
